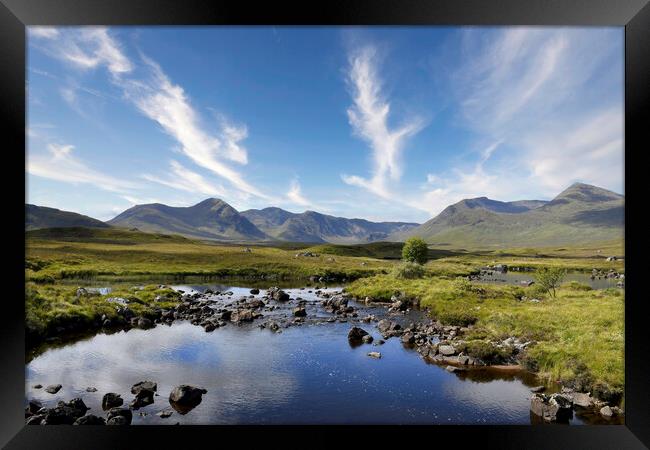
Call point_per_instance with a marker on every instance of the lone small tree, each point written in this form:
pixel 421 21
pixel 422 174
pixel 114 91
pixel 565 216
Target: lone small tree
pixel 549 279
pixel 415 250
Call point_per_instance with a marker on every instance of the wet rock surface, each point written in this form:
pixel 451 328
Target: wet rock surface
pixel 111 400
pixel 184 398
pixel 53 388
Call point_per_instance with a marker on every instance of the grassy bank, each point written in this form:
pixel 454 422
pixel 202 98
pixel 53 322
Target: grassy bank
pixel 578 335
pixel 53 309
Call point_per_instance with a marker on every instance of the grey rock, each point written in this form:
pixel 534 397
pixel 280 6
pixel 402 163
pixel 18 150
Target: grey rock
pixel 144 323
pixel 111 400
pixel 606 411
pixel 186 395
pixel 553 408
pixel 446 350
pixel 408 338
pixel 36 419
pixel 119 416
pixel 242 315
pixel 53 388
pixel 356 334
pixel 90 419
pixel 34 406
pixel 278 294
pixel 144 385
pixel 581 399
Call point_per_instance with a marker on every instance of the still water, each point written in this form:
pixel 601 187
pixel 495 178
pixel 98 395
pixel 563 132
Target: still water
pixel 306 374
pixel 519 277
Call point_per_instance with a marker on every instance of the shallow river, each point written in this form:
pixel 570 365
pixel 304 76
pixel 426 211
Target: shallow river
pixel 306 374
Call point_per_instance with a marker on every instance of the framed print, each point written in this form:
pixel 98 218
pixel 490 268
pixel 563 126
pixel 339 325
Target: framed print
pixel 361 219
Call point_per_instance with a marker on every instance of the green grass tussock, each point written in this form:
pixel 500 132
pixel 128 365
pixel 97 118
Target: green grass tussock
pixel 408 271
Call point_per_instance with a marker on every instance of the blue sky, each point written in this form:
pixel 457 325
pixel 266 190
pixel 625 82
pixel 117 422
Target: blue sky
pixel 383 123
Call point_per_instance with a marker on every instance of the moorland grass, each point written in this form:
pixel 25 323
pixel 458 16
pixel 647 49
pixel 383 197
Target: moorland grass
pixel 49 260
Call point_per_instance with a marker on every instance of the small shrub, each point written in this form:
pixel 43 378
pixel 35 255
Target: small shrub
pixel 486 351
pixel 536 291
pixel 415 250
pixel 408 271
pixel 549 279
pixel 516 291
pixel 458 318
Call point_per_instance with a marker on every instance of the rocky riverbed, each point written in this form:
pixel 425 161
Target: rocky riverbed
pixel 383 334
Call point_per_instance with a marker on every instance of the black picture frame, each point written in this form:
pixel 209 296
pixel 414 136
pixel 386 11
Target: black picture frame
pixel 634 15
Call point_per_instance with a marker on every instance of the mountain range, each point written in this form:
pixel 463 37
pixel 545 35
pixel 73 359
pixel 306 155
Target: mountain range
pixel 311 226
pixel 580 214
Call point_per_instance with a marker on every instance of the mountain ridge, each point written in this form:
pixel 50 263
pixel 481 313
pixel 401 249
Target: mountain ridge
pixel 38 217
pixel 580 213
pixel 312 226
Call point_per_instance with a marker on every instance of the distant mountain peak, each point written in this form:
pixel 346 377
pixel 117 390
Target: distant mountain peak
pixel 581 213
pixel 209 202
pixel 210 219
pixel 587 193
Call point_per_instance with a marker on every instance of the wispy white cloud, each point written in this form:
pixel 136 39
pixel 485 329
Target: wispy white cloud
pixel 84 48
pixel 60 164
pixel 43 32
pixel 167 104
pixel 232 135
pixel 368 117
pixel 151 91
pixel 590 150
pixel 544 98
pixel 295 195
pixel 444 190
pixel 184 179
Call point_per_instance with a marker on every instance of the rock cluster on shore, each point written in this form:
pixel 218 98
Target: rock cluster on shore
pixel 182 398
pixel 558 407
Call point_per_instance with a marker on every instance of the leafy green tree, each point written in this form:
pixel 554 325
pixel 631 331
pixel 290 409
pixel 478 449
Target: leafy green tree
pixel 549 279
pixel 415 250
